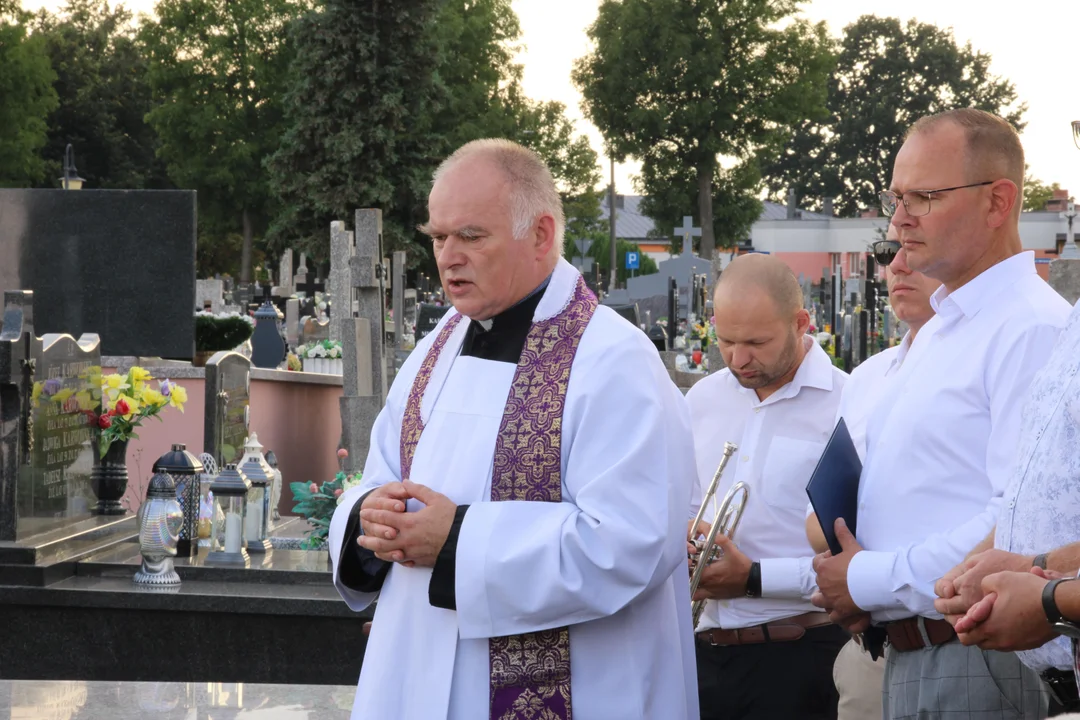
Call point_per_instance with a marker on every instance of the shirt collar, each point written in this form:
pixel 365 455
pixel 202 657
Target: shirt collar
pixel 970 298
pixel 520 313
pixel 816 370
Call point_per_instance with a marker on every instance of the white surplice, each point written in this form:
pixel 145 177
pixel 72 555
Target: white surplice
pixel 609 560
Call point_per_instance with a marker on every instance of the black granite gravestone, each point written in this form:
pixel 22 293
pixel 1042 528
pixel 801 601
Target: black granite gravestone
pixel 427 317
pixel 267 344
pixel 119 263
pixel 228 396
pixel 50 395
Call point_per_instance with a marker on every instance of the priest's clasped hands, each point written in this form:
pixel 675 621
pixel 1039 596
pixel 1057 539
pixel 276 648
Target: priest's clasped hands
pixel 410 538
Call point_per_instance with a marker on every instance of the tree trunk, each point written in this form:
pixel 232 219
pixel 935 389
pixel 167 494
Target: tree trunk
pixel 245 252
pixel 705 200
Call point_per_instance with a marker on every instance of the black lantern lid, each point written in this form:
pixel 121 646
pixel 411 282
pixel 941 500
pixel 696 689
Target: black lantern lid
pixel 161 487
pixel 178 461
pixel 230 481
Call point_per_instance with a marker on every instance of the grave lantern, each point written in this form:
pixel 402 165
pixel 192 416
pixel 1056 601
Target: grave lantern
pixel 230 491
pixel 185 470
pixel 255 468
pixel 160 519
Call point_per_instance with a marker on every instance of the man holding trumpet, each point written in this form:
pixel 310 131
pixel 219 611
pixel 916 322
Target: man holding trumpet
pixel 776 402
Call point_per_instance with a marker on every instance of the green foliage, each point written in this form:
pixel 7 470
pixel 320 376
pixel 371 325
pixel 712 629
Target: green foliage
pixel 685 81
pixel 214 334
pixel 217 70
pixel 600 252
pixel 671 188
pixel 104 96
pixel 318 507
pixel 1037 194
pixel 360 103
pixel 26 99
pixel 887 75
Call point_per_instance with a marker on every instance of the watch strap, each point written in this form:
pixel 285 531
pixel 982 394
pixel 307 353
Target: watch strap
pixel 1040 561
pixel 1053 615
pixel 753 581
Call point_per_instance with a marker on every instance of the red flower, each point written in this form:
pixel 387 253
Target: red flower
pixel 104 422
pixel 343 453
pixel 314 488
pixel 122 408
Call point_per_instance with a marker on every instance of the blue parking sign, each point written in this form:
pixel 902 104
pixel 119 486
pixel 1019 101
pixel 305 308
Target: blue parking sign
pixel 633 260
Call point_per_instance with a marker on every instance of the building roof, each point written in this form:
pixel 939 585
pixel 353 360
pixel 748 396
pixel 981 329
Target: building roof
pixel 630 224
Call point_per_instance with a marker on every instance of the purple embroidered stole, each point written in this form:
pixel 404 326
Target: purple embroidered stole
pixel 530 673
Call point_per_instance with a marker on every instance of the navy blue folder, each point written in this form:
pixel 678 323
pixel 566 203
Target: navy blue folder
pixel 834 486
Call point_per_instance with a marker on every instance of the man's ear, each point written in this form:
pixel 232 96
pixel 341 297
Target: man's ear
pixel 544 236
pixel 1004 195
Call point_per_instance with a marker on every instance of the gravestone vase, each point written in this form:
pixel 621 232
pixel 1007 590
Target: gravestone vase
pixel 109 479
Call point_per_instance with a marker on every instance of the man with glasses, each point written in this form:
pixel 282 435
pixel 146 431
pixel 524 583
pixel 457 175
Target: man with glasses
pixel 858 676
pixel 940 451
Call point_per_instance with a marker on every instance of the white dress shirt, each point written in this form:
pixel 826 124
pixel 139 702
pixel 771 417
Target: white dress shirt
pixel 1041 509
pixel 866 387
pixel 780 441
pixel 940 450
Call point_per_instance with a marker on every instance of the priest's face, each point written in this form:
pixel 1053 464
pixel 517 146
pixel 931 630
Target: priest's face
pixel 484 269
pixel 759 344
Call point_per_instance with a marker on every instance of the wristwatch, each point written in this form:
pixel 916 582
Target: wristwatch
pixel 1060 625
pixel 1040 561
pixel 753 582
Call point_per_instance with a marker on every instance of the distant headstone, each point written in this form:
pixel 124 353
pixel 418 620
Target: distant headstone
pixel 47 445
pixel 209 295
pixel 228 397
pixel 427 317
pixel 285 274
pixel 1065 278
pixel 313 330
pixel 65 246
pixel 292 322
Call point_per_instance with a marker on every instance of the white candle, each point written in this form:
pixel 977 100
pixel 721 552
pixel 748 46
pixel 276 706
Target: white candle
pixel 253 522
pixel 232 533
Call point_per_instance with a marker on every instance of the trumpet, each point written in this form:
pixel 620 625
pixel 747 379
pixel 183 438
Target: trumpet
pixel 726 521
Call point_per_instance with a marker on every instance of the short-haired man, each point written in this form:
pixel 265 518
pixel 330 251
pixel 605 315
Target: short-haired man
pixel 939 452
pixel 763 650
pixel 522 515
pixel 857 675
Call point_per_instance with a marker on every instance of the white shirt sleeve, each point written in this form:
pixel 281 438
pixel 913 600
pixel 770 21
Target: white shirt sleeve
pixel 905 578
pixel 621 527
pixel 788 578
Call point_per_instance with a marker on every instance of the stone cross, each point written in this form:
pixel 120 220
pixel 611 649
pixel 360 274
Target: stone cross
pixel 688 232
pixel 342 292
pixel 397 289
pixel 285 274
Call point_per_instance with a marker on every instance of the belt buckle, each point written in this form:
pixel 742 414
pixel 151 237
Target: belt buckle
pixel 1054 684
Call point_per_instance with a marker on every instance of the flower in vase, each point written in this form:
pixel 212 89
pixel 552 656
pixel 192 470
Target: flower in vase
pixel 178 397
pixel 104 422
pixel 139 376
pixel 115 385
pixel 166 388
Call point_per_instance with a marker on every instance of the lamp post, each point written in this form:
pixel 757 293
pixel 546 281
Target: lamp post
pixel 1076 132
pixel 71 179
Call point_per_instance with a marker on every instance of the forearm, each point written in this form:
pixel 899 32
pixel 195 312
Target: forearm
pixel 1067 598
pixel 815 535
pixel 986 544
pixel 1064 559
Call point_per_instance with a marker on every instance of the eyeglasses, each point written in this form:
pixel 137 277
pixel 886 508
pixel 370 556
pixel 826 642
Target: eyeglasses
pixel 885 251
pixel 917 202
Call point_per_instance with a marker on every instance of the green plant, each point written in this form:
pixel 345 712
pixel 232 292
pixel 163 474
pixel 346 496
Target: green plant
pixel 221 332
pixel 317 504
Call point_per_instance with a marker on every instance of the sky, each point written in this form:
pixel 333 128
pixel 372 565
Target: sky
pixel 1031 47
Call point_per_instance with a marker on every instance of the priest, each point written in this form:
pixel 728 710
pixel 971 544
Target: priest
pixel 522 516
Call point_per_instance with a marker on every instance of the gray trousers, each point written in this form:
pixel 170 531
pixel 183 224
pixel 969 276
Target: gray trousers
pixel 954 682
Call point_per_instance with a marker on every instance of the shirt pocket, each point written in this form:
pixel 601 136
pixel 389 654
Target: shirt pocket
pixel 787 470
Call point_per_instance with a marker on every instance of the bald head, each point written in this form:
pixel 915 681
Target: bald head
pixel 755 274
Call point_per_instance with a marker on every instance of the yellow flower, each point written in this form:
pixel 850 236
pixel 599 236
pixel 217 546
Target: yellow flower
pixel 85 399
pixel 138 376
pixel 114 385
pixel 178 397
pixel 149 396
pixel 132 405
pixel 62 395
pixel 35 394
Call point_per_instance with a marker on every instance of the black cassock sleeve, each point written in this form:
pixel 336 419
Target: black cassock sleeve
pixel 441 592
pixel 358 568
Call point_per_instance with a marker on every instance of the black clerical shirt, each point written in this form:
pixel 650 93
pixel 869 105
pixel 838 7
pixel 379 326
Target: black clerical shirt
pixel 500 339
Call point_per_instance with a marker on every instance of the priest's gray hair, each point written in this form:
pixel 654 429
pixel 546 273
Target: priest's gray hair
pixel 532 188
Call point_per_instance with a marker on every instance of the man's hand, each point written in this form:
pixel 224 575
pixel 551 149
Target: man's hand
pixel 1010 615
pixel 833 594
pixel 419 536
pixel 390 497
pixel 726 577
pixel 961 588
pixel 691 534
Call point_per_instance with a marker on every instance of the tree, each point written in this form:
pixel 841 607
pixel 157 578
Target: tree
pixel 1037 194
pixel 687 81
pixel 104 94
pixel 26 99
pixel 886 77
pixel 669 187
pixel 217 69
pixel 599 252
pixel 360 109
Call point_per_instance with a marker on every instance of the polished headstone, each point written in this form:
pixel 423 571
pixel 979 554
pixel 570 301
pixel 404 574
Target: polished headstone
pixel 427 317
pixel 119 263
pixel 228 397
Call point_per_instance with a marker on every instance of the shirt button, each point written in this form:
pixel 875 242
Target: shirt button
pixel 746 458
pixel 757 409
pixel 1012 503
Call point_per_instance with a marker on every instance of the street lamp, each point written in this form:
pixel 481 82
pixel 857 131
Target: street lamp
pixel 1076 132
pixel 71 179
